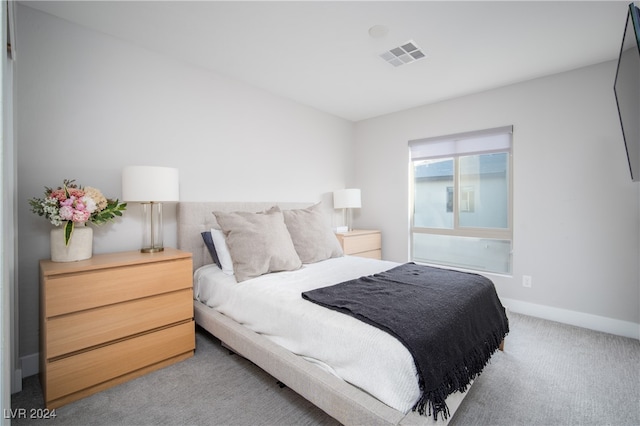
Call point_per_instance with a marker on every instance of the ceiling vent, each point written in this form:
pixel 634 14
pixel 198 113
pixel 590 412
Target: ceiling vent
pixel 407 53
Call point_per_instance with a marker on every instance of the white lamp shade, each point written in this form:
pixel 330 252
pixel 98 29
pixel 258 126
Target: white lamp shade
pixel 143 184
pixel 346 199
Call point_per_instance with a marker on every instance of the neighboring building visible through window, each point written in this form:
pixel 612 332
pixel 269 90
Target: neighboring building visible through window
pixel 462 204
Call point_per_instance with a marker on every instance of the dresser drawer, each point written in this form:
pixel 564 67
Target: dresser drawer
pixel 362 243
pixel 78 372
pixel 80 330
pixel 85 290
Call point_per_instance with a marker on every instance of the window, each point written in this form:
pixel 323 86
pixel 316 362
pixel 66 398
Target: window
pixel 461 203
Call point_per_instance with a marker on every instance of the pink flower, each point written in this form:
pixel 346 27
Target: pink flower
pixel 67 202
pixel 66 212
pixel 58 194
pixel 76 192
pixel 81 216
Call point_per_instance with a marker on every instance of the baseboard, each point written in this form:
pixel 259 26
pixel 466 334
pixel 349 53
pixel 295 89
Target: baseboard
pixel 30 364
pixel 579 319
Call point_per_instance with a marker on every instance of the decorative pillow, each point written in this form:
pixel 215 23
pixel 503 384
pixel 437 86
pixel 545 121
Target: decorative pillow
pixel 208 241
pixel 311 234
pixel 222 251
pixel 259 243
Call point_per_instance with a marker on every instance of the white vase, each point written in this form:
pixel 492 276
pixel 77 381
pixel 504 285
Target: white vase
pixel 80 245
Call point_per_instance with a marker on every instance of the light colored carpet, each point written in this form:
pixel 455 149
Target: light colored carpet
pixel 549 374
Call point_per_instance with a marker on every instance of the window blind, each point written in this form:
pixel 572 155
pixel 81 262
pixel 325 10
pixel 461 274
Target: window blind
pixel 476 142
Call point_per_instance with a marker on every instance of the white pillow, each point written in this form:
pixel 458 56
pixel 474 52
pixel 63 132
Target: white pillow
pixel 223 251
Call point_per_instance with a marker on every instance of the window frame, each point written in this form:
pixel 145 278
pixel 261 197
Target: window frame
pixel 457 230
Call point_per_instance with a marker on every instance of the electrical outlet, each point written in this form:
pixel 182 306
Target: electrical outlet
pixel 526 281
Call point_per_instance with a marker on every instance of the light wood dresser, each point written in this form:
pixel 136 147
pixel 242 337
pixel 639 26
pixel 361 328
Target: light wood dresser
pixel 363 243
pixel 112 318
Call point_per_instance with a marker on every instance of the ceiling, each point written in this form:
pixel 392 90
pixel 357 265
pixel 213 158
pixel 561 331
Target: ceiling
pixel 321 54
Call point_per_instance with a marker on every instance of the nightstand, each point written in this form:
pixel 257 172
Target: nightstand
pixel 111 318
pixel 362 243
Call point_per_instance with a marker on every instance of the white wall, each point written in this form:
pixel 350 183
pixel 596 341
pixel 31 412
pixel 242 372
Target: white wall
pixel 576 214
pixel 89 104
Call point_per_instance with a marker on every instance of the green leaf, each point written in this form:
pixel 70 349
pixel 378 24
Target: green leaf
pixel 68 231
pixel 114 209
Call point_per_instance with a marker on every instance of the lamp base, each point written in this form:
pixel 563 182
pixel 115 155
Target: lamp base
pixel 152 235
pixel 152 249
pixel 349 220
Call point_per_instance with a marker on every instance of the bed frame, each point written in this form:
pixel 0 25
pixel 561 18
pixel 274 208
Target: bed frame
pixel 344 402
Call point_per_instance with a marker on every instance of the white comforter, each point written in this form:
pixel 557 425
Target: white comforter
pixel 272 305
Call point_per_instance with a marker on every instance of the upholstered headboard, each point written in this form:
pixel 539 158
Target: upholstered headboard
pixel 195 217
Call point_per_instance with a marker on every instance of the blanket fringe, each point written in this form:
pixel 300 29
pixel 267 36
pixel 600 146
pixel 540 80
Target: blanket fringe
pixel 433 401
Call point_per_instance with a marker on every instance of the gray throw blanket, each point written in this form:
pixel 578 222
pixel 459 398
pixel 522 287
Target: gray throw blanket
pixel 451 322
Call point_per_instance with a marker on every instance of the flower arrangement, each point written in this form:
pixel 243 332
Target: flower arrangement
pixel 71 204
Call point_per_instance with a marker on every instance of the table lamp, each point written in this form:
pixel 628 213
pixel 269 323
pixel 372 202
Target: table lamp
pixel 151 186
pixel 347 199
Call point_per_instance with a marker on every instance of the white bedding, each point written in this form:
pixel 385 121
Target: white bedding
pixel 272 305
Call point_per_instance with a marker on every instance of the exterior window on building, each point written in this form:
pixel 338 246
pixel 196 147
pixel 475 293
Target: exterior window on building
pixel 462 205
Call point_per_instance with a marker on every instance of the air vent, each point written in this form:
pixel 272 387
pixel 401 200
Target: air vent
pixel 407 53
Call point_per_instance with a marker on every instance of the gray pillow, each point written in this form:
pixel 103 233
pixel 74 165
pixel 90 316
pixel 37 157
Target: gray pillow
pixel 311 234
pixel 259 243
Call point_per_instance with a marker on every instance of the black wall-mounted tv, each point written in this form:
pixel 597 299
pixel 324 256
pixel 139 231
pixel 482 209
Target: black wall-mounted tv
pixel 627 90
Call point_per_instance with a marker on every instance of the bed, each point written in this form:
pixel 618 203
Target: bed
pixel 329 380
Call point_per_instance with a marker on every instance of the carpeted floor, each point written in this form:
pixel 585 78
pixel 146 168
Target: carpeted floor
pixel 549 374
